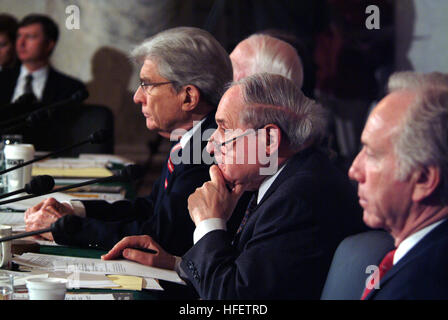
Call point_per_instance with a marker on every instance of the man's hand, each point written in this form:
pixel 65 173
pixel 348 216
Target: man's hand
pixel 128 249
pixel 44 214
pixel 213 199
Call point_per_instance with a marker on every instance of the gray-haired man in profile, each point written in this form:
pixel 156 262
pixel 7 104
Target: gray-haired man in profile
pixel 402 175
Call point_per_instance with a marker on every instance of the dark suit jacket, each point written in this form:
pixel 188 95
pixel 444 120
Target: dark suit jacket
pixel 163 214
pixel 421 273
pixel 286 246
pixel 58 87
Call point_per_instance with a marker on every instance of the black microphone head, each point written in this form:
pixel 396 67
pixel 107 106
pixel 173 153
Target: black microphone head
pixel 40 185
pixel 131 172
pixel 100 136
pixel 80 95
pixel 38 116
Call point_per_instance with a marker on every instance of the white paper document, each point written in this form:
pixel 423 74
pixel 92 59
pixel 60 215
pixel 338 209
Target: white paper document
pixel 14 219
pixel 95 266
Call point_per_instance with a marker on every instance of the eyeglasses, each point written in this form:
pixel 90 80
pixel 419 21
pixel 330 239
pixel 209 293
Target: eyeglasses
pixel 147 86
pixel 222 144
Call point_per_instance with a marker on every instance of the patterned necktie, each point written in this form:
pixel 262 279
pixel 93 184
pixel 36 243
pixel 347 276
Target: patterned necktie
pixel 170 163
pixel 386 264
pixel 28 84
pixel 250 208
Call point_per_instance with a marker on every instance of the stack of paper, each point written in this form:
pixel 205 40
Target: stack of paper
pixel 123 271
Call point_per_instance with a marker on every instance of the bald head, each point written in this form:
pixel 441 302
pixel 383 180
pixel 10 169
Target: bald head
pixel 262 53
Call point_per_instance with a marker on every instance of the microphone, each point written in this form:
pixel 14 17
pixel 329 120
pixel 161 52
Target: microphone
pixel 69 223
pixel 38 186
pixel 97 137
pixel 43 113
pixel 127 174
pixel 24 104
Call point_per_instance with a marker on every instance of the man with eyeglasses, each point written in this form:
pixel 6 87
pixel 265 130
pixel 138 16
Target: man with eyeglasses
pixel 182 79
pixel 302 207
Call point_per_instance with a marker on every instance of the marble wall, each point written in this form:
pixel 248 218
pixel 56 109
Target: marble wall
pixel 97 53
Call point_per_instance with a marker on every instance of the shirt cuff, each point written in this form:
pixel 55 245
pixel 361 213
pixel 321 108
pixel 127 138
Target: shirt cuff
pixel 78 207
pixel 206 226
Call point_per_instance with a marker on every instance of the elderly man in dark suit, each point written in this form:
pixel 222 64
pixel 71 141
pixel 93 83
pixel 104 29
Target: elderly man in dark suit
pixel 402 175
pixel 301 209
pixel 182 78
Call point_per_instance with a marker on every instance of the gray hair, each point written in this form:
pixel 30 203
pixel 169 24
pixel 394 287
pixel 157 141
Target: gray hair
pixel 423 139
pixel 275 56
pixel 275 99
pixel 187 55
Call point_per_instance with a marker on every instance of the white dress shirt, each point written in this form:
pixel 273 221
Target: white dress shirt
pixel 407 244
pixel 39 79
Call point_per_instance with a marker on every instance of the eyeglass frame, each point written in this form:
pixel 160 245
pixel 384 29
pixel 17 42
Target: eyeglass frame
pixel 144 84
pixel 223 144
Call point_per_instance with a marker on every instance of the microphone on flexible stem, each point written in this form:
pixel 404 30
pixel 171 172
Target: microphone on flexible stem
pixel 97 137
pixel 43 113
pixel 69 223
pixel 37 186
pixel 129 173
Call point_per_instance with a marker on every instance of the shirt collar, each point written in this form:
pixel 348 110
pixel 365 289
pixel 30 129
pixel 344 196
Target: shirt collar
pixel 42 72
pixel 267 183
pixel 187 135
pixel 407 244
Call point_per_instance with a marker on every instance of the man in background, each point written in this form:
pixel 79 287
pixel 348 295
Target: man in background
pixel 8 31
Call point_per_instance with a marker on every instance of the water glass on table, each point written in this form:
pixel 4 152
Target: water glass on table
pixel 6 286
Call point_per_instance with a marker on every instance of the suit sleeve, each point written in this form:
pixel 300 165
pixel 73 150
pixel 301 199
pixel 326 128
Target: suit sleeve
pixel 170 225
pixel 281 259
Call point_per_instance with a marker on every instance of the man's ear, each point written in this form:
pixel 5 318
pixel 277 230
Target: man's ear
pixel 273 138
pixel 427 181
pixel 191 96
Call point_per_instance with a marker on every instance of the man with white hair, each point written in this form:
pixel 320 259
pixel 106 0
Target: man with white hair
pixel 402 175
pixel 262 53
pixel 301 208
pixel 182 78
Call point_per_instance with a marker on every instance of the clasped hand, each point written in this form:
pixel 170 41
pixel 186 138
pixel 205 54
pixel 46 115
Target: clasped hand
pixel 45 213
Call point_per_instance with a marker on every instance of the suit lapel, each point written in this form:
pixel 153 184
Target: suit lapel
pixel 49 92
pixel 435 235
pixel 292 166
pixel 209 123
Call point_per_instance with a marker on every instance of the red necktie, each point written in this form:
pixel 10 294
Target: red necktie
pixel 169 163
pixel 385 265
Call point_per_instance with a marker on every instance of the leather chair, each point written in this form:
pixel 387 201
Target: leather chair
pixel 347 275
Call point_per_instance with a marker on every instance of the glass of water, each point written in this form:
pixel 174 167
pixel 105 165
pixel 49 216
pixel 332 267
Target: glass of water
pixel 6 286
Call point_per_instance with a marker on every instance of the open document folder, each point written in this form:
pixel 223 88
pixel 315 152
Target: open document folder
pixel 51 263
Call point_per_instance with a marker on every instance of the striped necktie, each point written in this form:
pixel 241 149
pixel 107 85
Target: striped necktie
pixel 250 208
pixel 170 163
pixel 386 264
